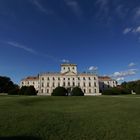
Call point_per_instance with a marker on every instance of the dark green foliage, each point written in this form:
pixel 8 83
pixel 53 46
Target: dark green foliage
pixel 60 91
pixel 14 91
pixel 27 90
pixel 77 92
pixel 116 91
pixel 134 85
pixel 7 86
pixel 23 90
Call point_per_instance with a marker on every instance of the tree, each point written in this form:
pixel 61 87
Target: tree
pixel 22 90
pixel 76 91
pixel 30 91
pixel 59 91
pixel 133 85
pixel 6 85
pixel 27 90
pixel 116 91
pixel 14 91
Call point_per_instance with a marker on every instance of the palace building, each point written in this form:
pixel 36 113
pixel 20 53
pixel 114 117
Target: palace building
pixel 68 77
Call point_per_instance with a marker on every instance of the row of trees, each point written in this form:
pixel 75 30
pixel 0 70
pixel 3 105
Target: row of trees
pixel 116 91
pixel 7 86
pixel 124 88
pixel 133 85
pixel 61 91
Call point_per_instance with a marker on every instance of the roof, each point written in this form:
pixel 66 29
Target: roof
pixel 62 74
pixel 67 64
pixel 31 78
pixel 105 78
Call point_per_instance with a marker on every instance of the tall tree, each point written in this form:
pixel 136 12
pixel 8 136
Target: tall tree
pixel 6 85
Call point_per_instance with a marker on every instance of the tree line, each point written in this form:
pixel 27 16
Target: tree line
pixel 7 86
pixel 124 88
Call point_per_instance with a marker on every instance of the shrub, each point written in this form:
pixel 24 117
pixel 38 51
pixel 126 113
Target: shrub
pixel 13 91
pixel 27 90
pixel 116 91
pixel 59 91
pixel 77 92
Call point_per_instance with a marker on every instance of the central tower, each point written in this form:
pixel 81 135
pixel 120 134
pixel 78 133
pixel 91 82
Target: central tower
pixel 65 68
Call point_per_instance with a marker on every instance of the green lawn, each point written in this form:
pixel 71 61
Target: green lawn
pixel 70 118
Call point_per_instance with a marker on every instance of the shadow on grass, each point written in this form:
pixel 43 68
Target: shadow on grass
pixel 20 138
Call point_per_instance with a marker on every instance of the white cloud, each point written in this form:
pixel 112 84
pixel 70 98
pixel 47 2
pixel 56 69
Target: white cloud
pixel 41 7
pixel 32 51
pixel 120 79
pixel 136 30
pixel 25 48
pixel 65 61
pixel 131 64
pixel 126 73
pixel 127 30
pixel 92 68
pixel 74 6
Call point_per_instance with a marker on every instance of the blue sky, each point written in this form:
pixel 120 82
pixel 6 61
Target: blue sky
pixel 38 35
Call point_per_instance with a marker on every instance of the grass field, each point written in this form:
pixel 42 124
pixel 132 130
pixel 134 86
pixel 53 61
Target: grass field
pixel 70 118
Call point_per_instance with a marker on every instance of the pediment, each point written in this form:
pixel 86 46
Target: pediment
pixel 69 73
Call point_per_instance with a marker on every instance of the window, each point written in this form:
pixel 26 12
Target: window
pixel 42 78
pixel 95 90
pixel 84 84
pixel 89 84
pixel 84 91
pixel 47 90
pixel 84 78
pixel 48 78
pixel 68 83
pixel 42 90
pixel 73 79
pixel 89 90
pixel 68 78
pixel 48 85
pixel 33 83
pixel 42 84
pixel 58 78
pixel 53 85
pixel 94 78
pixel 28 83
pixel 95 84
pixel 64 68
pixel 22 83
pixel 78 78
pixel 73 68
pixel 78 84
pixel 53 78
pixel 73 84
pixel 64 84
pixel 89 78
pixel 58 84
pixel 63 78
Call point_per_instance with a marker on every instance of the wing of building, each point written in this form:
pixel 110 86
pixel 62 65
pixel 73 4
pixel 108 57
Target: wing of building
pixel 106 82
pixel 68 77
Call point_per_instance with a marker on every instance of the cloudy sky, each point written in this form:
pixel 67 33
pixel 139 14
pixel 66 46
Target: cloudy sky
pixel 38 35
